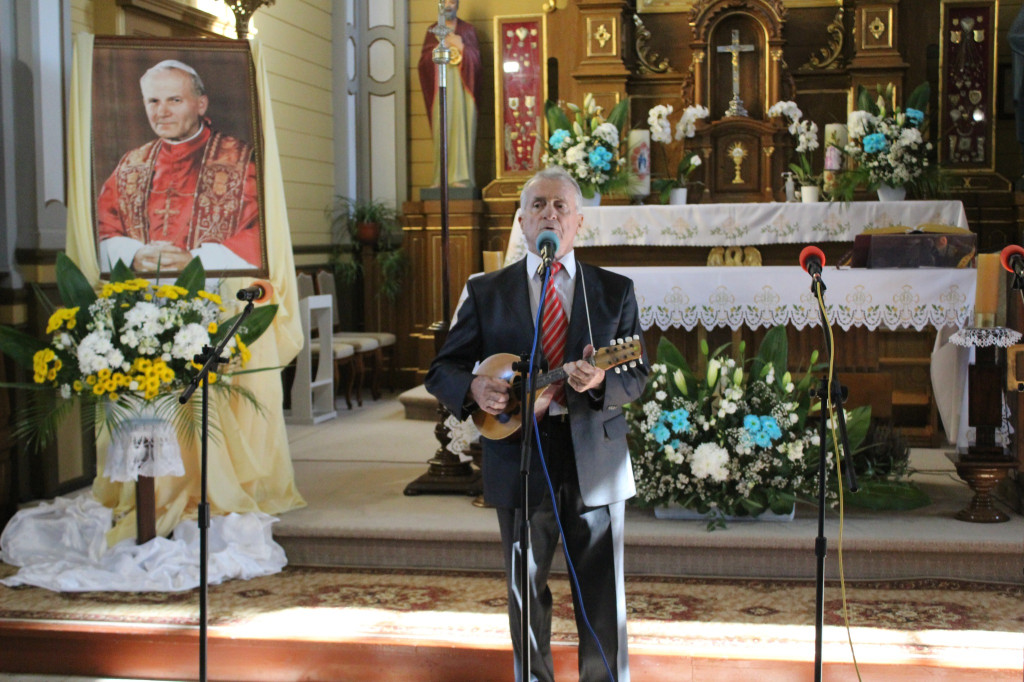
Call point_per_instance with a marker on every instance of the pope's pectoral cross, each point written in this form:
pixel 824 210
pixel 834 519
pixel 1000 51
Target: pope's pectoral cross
pixel 166 212
pixel 736 107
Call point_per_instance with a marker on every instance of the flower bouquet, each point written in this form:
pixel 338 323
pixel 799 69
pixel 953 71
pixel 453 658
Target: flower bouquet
pixel 806 134
pixel 125 350
pixel 661 131
pixel 733 441
pixel 588 147
pixel 887 146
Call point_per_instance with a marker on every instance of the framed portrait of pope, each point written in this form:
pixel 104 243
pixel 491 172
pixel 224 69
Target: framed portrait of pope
pixel 177 157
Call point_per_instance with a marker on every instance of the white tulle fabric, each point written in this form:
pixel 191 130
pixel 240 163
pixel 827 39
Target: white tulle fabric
pixel 144 446
pixel 61 546
pixel 984 337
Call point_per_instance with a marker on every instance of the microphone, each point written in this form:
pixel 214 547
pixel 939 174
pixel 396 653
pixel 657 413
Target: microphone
pixel 1012 259
pixel 812 260
pixel 258 292
pixel 547 247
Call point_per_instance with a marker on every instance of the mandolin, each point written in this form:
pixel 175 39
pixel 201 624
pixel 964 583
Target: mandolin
pixel 499 366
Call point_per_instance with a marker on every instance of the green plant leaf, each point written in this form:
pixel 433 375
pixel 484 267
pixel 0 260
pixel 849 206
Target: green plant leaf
pixel 19 346
pixel 193 277
pixel 557 120
pixel 774 351
pixel 619 114
pixel 251 329
pixel 920 97
pixel 121 272
pixel 886 495
pixel 74 288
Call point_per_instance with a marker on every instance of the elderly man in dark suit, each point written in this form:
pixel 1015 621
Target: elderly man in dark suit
pixel 582 427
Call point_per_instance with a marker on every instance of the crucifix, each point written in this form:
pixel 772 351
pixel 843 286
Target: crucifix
pixel 736 107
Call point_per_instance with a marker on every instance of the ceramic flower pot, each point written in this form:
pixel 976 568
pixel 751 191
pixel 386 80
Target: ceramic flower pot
pixel 887 193
pixel 809 193
pixel 593 201
pixel 367 233
pixel 677 196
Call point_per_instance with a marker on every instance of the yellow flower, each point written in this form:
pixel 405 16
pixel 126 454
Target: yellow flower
pixel 77 385
pixel 113 396
pixel 60 317
pixel 171 291
pixel 104 374
pixel 97 389
pixel 91 379
pixel 243 350
pixel 52 375
pixel 212 328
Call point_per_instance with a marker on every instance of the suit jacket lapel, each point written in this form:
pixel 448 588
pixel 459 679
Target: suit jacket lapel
pixel 579 330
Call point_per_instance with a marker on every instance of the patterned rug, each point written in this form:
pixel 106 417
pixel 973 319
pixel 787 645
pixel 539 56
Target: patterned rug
pixel 950 621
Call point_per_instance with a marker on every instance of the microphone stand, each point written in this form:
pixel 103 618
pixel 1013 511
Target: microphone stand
pixel 209 358
pixel 829 390
pixel 528 368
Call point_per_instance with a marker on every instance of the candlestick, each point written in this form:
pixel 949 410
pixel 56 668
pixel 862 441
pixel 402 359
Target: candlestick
pixel 986 298
pixel 836 138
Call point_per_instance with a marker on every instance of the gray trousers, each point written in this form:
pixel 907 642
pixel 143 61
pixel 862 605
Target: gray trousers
pixel 594 537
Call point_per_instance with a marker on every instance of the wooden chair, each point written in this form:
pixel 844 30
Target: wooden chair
pixel 326 285
pixel 347 352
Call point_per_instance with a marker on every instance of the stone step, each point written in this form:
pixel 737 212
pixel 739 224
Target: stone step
pixel 419 404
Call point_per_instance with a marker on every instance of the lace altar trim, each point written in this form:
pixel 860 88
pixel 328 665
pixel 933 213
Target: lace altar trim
pixel 984 337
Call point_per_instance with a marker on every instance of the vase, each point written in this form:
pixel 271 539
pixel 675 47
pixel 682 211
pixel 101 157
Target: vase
pixel 678 513
pixel 887 193
pixel 677 196
pixel 591 202
pixel 809 194
pixel 143 445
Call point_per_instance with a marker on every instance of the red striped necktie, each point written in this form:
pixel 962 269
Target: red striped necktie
pixel 554 331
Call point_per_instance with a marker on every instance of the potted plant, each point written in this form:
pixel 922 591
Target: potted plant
pixel 357 223
pixel 673 190
pixel 806 134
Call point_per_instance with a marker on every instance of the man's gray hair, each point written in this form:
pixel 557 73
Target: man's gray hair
pixel 174 64
pixel 552 173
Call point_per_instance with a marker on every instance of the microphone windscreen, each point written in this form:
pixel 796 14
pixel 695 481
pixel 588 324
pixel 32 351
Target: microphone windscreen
pixel 268 290
pixel 810 251
pixel 547 237
pixel 1008 253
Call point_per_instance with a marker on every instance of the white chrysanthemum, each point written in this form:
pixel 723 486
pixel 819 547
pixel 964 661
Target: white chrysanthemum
pixel 96 352
pixel 710 460
pixel 660 396
pixel 189 341
pixel 672 455
pixel 607 132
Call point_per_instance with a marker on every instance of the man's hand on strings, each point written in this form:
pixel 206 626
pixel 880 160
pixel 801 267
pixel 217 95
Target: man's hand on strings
pixel 490 394
pixel 584 375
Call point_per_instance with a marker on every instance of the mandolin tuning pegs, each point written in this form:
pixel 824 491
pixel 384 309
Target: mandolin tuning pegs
pixel 620 342
pixel 618 370
pixel 633 364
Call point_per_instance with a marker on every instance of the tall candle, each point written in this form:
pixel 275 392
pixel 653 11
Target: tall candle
pixel 638 143
pixel 986 298
pixel 836 138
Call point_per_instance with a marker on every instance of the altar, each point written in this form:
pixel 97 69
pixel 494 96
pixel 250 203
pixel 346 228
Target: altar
pixel 890 322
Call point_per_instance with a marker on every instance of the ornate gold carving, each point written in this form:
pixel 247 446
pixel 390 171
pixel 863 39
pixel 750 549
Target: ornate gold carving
pixel 244 9
pixel 550 6
pixel 768 151
pixel 830 58
pixel 601 35
pixel 877 27
pixel 737 152
pixel 734 256
pixel 649 61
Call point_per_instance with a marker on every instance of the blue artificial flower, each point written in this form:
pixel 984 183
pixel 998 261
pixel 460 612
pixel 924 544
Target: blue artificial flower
pixel 558 137
pixel 915 116
pixel 600 159
pixel 771 427
pixel 661 432
pixel 752 424
pixel 875 142
pixel 680 419
pixel 762 440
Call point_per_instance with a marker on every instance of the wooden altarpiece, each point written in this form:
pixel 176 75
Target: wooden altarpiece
pixel 738 72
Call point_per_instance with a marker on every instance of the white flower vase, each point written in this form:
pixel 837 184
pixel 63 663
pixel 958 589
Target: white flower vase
pixel 591 202
pixel 677 196
pixel 674 512
pixel 887 193
pixel 809 194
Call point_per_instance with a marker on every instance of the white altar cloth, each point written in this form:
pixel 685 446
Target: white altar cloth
pixel 746 224
pixel 767 296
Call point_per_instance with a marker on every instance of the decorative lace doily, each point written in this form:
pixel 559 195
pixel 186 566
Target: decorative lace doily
pixel 983 337
pixel 144 446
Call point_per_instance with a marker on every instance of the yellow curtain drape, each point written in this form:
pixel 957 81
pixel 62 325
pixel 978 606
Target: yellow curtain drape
pixel 250 466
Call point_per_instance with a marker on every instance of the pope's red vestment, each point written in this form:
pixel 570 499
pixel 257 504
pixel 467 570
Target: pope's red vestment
pixel 199 192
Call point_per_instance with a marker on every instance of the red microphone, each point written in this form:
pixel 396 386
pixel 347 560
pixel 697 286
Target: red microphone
pixel 1012 259
pixel 812 260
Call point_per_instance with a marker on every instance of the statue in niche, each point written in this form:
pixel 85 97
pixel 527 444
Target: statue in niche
pixel 462 88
